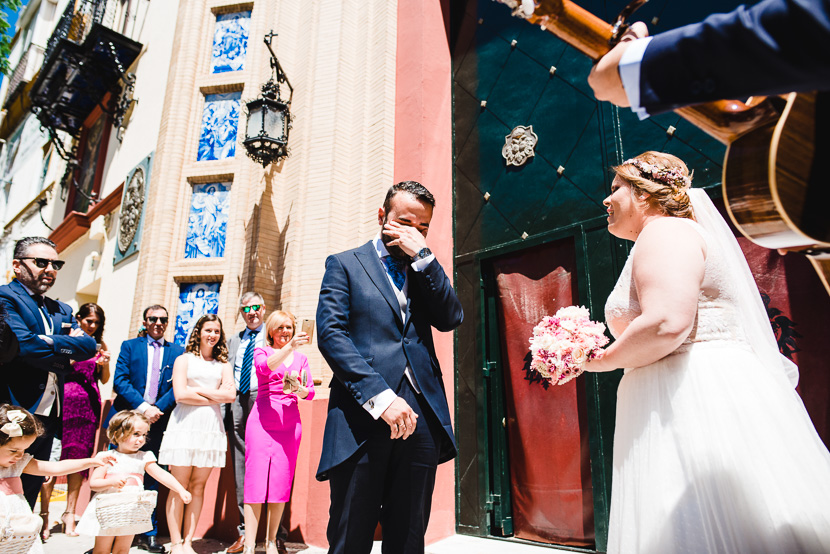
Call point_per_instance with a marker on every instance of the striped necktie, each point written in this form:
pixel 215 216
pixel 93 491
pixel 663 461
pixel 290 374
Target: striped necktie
pixel 247 363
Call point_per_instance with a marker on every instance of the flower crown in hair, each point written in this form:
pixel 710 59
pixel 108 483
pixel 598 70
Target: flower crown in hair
pixel 12 428
pixel 671 177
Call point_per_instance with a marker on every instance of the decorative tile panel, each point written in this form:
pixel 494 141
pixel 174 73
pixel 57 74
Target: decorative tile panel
pixel 207 224
pixel 220 120
pixel 230 42
pixel 195 300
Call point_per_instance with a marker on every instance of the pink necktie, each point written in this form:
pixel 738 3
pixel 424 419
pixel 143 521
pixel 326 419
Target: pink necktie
pixel 154 374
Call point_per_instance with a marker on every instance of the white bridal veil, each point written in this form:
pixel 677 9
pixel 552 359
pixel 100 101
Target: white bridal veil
pixel 751 309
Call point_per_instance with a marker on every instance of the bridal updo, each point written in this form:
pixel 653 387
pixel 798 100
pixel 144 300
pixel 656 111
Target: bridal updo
pixel 664 177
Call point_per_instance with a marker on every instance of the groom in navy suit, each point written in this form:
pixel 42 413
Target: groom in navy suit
pixel 144 382
pixel 49 339
pixel 388 424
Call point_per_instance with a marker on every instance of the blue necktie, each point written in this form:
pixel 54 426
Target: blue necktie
pixel 247 362
pixel 396 268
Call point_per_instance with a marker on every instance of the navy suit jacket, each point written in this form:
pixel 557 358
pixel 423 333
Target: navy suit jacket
pixel 368 346
pixel 131 375
pixel 23 379
pixel 774 47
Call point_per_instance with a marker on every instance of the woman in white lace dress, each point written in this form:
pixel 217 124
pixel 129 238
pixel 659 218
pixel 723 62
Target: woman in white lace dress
pixel 713 449
pixel 194 442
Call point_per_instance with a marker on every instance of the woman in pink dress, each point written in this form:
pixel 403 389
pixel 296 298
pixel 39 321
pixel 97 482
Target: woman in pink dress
pixel 272 436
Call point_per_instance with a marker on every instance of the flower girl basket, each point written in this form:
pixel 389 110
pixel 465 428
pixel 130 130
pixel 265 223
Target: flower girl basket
pixel 125 509
pixel 18 532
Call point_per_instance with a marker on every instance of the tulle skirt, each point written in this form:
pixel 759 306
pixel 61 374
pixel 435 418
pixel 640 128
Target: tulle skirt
pixel 713 454
pixel 195 436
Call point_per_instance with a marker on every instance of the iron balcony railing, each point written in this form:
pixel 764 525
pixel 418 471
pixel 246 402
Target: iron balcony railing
pixel 78 18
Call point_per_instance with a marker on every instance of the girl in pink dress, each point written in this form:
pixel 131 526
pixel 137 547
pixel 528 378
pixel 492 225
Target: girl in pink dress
pixel 272 436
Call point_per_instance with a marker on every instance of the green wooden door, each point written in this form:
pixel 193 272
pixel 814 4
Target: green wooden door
pixel 508 73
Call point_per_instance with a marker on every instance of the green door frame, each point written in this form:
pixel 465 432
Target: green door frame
pixel 600 388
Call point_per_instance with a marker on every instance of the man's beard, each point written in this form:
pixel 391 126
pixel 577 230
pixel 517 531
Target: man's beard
pixel 33 284
pixel 394 251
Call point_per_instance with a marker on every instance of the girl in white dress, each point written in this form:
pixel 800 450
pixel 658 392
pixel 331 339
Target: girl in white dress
pixel 18 430
pixel 128 431
pixel 714 451
pixel 194 442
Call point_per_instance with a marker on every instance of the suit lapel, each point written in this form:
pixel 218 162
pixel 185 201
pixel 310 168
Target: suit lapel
pixel 26 299
pixel 141 377
pixel 368 258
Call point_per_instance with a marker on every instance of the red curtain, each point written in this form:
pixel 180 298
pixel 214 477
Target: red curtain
pixel 547 428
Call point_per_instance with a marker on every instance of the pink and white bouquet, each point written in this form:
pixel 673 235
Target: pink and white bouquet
pixel 562 343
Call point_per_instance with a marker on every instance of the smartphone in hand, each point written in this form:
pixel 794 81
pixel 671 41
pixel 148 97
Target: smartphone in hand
pixel 307 327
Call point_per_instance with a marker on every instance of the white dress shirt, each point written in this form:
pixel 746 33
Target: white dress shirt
pixel 259 340
pixel 148 400
pixel 378 403
pixel 629 68
pixel 50 395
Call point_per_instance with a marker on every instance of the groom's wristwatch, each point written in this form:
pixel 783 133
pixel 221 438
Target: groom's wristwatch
pixel 422 253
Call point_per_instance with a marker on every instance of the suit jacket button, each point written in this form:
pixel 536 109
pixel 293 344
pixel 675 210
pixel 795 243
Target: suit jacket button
pixel 406 341
pixel 357 395
pixel 42 387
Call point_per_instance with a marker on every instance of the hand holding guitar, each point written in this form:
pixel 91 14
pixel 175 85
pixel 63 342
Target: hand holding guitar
pixel 605 75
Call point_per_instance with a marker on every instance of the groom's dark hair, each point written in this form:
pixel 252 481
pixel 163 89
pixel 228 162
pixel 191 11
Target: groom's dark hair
pixel 414 188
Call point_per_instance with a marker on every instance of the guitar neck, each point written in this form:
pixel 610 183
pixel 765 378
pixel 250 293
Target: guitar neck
pixel 575 25
pixel 724 120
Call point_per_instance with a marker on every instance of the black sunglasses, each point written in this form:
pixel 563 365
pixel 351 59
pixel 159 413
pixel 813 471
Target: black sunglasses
pixel 254 307
pixel 154 318
pixel 43 262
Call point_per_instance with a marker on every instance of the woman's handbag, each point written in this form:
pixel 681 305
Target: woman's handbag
pixel 125 509
pixel 18 532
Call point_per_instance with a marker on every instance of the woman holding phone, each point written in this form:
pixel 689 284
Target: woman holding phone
pixel 272 436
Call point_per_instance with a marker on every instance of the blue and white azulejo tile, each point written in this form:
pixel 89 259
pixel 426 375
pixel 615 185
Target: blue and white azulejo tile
pixel 220 120
pixel 207 225
pixel 230 42
pixel 195 300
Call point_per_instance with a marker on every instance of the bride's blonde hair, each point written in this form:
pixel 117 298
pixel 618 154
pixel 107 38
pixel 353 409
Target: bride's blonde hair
pixel 664 177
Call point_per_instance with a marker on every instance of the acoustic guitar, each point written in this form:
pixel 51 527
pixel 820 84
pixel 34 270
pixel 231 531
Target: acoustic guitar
pixel 770 172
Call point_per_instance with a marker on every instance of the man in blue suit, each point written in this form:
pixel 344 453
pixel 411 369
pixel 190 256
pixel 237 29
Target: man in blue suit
pixel 48 340
pixel 144 382
pixel 388 424
pixel 773 47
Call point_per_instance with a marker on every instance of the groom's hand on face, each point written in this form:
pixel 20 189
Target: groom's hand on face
pixel 406 237
pixel 400 418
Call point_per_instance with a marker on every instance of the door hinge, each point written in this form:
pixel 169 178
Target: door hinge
pixel 492 501
pixel 489 367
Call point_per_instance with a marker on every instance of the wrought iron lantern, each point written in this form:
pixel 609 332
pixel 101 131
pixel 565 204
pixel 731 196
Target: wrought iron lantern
pixel 269 118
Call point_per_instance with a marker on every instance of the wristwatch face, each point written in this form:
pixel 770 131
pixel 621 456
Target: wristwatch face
pixel 424 252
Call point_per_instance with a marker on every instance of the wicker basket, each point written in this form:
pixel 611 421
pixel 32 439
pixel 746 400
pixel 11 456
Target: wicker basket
pixel 122 509
pixel 18 532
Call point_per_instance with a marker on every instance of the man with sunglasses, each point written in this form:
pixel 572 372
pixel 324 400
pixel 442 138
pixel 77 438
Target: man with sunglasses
pixel 49 339
pixel 241 353
pixel 144 382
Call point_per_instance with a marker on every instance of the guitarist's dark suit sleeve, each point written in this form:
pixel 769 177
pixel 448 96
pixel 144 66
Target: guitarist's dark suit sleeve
pixel 773 47
pixel 334 340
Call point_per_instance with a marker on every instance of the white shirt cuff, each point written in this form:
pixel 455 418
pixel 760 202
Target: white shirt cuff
pixel 378 403
pixel 47 339
pixel 629 69
pixel 420 265
pixel 142 407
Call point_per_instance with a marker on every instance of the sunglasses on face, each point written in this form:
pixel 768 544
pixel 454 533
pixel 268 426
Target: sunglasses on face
pixel 41 263
pixel 153 319
pixel 255 308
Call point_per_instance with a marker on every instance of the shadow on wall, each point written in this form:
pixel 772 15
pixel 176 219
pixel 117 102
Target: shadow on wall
pixel 265 246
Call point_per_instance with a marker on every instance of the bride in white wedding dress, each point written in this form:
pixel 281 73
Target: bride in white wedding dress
pixel 713 449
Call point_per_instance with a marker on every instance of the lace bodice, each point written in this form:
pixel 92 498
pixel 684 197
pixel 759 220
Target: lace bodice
pixel 716 318
pixel 203 373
